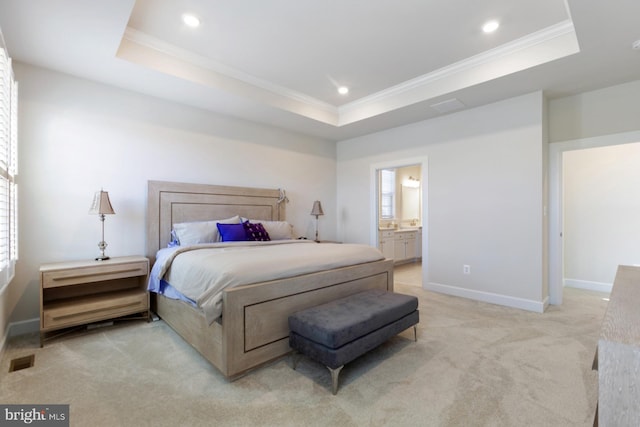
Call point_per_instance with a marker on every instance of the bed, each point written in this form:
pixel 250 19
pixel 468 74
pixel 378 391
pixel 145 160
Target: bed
pixel 252 329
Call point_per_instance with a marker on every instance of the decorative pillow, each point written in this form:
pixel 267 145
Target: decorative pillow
pixel 278 230
pixel 255 231
pixel 232 232
pixel 191 233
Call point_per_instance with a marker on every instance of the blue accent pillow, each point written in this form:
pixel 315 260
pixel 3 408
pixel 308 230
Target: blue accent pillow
pixel 232 232
pixel 255 231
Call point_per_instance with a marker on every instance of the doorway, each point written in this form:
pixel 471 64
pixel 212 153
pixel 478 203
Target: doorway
pixel 399 217
pixel 557 200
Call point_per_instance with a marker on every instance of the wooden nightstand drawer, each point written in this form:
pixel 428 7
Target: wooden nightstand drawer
pixel 89 309
pixel 101 272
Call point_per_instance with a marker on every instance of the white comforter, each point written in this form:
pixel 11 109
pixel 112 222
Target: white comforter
pixel 202 272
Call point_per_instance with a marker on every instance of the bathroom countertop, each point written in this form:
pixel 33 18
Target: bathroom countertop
pixel 400 230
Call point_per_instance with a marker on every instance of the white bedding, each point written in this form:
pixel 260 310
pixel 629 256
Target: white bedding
pixel 202 272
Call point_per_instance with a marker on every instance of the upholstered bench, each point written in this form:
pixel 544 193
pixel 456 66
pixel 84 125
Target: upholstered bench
pixel 337 332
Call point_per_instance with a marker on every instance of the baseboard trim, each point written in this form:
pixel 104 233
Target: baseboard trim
pixel 588 285
pixel 504 300
pixel 24 327
pixel 3 342
pixel 18 328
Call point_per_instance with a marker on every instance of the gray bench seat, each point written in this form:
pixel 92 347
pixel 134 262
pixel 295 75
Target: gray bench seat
pixel 337 332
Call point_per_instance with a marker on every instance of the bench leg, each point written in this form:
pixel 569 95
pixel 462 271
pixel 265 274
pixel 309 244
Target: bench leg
pixel 295 357
pixel 334 378
pixel 415 333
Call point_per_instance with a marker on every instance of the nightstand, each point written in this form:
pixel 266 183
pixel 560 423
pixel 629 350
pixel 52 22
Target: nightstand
pixel 82 292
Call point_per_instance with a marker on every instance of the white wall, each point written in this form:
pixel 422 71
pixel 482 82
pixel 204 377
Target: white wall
pixel 601 212
pixel 77 136
pixel 485 197
pixel 606 111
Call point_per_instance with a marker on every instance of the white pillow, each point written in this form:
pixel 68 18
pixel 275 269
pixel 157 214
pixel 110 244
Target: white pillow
pixel 191 233
pixel 278 230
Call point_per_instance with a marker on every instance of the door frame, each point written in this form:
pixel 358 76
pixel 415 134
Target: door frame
pixel 556 247
pixel 373 181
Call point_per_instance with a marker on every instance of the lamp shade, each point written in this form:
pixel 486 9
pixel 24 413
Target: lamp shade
pixel 317 208
pixel 101 204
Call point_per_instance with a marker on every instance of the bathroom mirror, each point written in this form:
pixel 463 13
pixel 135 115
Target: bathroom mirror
pixel 400 197
pixel 410 203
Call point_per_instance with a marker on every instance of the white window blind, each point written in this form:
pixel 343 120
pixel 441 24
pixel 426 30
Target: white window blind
pixel 387 193
pixel 8 168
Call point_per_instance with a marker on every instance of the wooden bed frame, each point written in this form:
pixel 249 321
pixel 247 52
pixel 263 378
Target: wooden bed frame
pixel 253 328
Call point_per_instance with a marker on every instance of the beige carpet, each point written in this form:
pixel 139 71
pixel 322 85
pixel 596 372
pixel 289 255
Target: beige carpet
pixel 474 364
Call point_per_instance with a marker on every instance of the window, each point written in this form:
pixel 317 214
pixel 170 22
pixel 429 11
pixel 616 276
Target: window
pixel 8 168
pixel 387 193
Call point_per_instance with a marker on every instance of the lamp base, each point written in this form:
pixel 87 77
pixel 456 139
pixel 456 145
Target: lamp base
pixel 102 246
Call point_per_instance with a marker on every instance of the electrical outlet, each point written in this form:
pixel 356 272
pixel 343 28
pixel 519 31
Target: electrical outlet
pixel 466 269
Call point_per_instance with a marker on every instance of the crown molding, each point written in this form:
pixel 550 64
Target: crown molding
pixel 151 42
pixel 543 36
pixel 542 46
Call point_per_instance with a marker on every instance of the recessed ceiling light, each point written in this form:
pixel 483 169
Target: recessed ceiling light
pixel 343 90
pixel 490 26
pixel 190 20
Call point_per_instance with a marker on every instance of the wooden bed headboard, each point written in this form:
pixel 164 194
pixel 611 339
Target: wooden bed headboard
pixel 174 202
